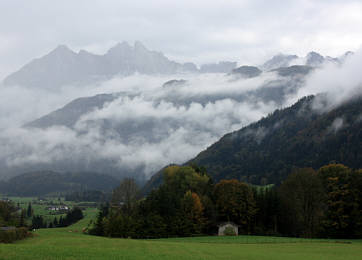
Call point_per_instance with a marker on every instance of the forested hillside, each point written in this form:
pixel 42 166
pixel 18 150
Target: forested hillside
pixel 44 182
pixel 297 136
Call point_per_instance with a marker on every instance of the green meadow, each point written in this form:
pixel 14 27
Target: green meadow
pixel 71 243
pixel 39 207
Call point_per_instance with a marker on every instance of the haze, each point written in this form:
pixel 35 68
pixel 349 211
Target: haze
pixel 198 31
pixel 145 124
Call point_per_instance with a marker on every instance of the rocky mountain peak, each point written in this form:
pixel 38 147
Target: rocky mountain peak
pixel 279 60
pixel 120 48
pixel 62 50
pixel 138 46
pixel 314 59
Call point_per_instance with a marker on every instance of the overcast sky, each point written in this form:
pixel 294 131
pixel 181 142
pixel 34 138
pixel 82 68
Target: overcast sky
pixel 247 31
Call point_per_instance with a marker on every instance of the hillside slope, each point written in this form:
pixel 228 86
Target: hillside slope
pixel 71 112
pixel 44 182
pixel 297 136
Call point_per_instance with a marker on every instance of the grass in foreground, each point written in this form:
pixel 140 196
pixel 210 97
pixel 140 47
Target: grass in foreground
pixel 70 243
pixel 244 239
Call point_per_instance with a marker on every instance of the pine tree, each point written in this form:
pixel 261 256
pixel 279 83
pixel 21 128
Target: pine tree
pixel 29 211
pixel 55 222
pixel 99 225
pixel 22 218
pixel 61 222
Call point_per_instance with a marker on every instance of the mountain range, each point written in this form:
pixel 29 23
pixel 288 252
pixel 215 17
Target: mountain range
pixel 62 66
pixel 247 154
pixel 274 90
pixel 298 136
pixel 42 183
pixel 133 133
pixel 99 124
pixel 312 59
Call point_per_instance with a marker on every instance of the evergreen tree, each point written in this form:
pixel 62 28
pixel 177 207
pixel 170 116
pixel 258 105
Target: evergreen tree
pixel 268 205
pixel 55 222
pixel 98 229
pixel 61 222
pixel 302 196
pixel 38 222
pixel 29 212
pixel 22 218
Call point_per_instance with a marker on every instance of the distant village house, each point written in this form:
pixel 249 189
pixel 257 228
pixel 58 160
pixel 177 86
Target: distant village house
pixel 58 208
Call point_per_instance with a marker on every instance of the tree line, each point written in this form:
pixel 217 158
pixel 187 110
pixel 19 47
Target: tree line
pixel 72 216
pixel 13 220
pixel 309 203
pixel 12 223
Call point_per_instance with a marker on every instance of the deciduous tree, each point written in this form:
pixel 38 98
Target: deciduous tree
pixel 343 191
pixel 235 202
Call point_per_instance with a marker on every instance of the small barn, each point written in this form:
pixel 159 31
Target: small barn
pixel 228 229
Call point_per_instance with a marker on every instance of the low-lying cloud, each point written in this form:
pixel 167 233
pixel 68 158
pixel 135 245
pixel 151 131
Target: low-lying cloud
pixel 339 82
pixel 149 126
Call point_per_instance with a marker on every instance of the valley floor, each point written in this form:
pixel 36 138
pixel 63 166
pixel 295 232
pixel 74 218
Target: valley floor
pixel 71 243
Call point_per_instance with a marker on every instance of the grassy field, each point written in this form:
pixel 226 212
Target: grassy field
pixel 40 206
pixel 243 239
pixel 70 243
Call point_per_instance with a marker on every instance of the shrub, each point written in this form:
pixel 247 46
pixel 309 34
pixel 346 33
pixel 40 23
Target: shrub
pixel 7 236
pixel 10 236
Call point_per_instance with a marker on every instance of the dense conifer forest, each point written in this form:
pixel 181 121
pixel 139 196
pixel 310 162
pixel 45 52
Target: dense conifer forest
pixel 267 151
